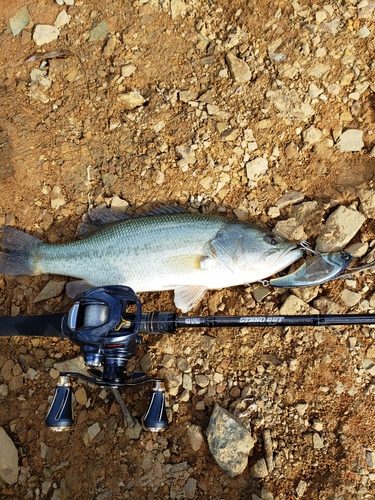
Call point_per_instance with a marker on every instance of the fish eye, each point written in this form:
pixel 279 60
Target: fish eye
pixel 271 239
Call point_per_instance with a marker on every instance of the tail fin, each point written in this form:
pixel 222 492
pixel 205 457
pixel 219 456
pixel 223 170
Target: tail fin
pixel 16 257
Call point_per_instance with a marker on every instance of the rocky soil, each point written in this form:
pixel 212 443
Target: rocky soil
pixel 260 110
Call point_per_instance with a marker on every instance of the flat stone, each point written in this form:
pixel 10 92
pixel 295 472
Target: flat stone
pixel 301 488
pixel 317 441
pixel 331 27
pixel 358 249
pixel 131 100
pixel 290 229
pixel 110 46
pixel 256 168
pixel 57 198
pixel 119 204
pixel 4 391
pixel 340 227
pixel 186 155
pixel 146 362
pixel 178 7
pixel 319 70
pixel 62 19
pixel 229 442
pixel 51 290
pixel 370 459
pixel 187 95
pixel 81 396
pixel 128 70
pixel 19 21
pixel 293 305
pixel 238 68
pixel 350 298
pixel 202 380
pixel 71 365
pixel 172 379
pixel 367 198
pixel 230 134
pixel 311 135
pixel 135 431
pixel 195 436
pixel 99 31
pixel 93 430
pixel 9 468
pixel 45 33
pixel 350 140
pixel 16 383
pixel 289 198
pixel 259 469
pixel 326 306
pixel 190 487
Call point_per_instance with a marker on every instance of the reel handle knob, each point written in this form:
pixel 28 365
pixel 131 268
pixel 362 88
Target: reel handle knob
pixel 60 415
pixel 155 419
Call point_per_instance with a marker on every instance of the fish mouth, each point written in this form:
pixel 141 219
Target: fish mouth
pixel 287 257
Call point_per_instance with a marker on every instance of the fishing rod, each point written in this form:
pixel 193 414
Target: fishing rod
pixel 107 323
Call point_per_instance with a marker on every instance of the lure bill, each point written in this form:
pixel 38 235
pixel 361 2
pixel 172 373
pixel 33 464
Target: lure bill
pixel 319 269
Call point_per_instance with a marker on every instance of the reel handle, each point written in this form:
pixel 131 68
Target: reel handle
pixel 155 419
pixel 60 416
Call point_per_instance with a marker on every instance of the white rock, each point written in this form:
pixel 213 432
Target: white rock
pixel 186 155
pixel 93 430
pixel 195 436
pixel 289 198
pixel 19 21
pixel 131 100
pixel 301 488
pixel 339 229
pixel 363 32
pixel 8 459
pixel 45 33
pixel 57 199
pixel 62 19
pixel 128 70
pixel 358 249
pixel 178 7
pixel 314 91
pixel 36 74
pixel 118 203
pixel 350 298
pixel 312 135
pixel 255 169
pixel 350 140
pixel 259 469
pixel 273 212
pixel 367 207
pixel 239 69
pixel 294 305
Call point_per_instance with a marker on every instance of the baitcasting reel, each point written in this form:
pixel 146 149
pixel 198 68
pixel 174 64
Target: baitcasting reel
pixel 105 322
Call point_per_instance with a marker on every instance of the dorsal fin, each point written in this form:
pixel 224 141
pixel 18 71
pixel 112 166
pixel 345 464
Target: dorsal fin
pixel 102 216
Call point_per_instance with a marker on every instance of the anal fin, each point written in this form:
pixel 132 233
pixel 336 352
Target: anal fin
pixel 185 297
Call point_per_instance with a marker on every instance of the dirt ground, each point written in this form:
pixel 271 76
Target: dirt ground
pixel 70 141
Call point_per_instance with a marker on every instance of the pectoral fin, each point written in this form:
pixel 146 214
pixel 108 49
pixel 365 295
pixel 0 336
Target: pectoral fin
pixel 75 288
pixel 185 297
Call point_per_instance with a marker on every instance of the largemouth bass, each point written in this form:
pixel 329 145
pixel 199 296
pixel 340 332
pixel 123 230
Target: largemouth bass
pixel 168 249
